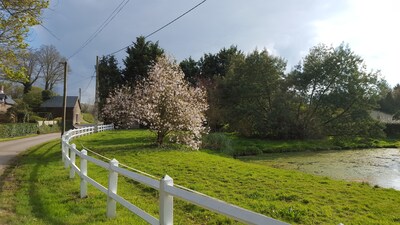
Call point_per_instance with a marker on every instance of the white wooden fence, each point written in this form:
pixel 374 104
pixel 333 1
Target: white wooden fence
pixel 165 186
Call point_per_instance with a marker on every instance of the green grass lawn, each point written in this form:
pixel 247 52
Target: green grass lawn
pixel 37 190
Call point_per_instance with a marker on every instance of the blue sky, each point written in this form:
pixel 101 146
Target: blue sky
pixel 288 28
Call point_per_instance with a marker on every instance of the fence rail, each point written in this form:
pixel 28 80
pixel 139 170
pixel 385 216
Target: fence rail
pixel 165 186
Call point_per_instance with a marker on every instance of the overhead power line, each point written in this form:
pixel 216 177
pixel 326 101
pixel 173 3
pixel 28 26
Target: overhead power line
pixel 166 25
pixel 50 32
pixel 91 79
pixel 114 13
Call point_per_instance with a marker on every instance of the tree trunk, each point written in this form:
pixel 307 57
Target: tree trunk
pixel 27 87
pixel 160 137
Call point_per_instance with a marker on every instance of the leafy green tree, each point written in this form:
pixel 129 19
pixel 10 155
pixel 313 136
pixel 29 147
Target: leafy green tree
pixel 217 65
pixel 47 94
pixel 214 67
pixel 16 17
pixel 249 92
pixel 386 98
pixel 191 70
pixel 33 98
pixel 20 112
pixel 141 57
pixel 109 78
pixel 390 99
pixel 334 93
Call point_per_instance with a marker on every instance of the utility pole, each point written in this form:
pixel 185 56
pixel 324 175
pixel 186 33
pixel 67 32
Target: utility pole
pixel 96 97
pixel 65 98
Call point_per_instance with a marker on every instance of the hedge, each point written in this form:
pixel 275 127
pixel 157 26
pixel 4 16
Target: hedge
pixel 9 130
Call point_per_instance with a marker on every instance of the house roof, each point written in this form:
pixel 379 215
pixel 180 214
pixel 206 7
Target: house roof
pixel 57 102
pixel 8 99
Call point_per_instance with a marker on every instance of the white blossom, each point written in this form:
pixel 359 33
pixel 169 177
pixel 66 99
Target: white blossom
pixel 166 103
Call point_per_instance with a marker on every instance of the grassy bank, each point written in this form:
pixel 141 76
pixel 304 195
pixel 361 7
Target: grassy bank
pixel 88 118
pixel 36 190
pixel 246 146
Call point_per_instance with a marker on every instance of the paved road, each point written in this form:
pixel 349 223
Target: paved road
pixel 10 149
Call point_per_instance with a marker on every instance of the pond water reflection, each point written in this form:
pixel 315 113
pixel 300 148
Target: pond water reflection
pixel 375 166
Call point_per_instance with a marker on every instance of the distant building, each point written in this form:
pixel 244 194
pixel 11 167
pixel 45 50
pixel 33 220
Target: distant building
pixel 54 107
pixel 6 101
pixel 383 117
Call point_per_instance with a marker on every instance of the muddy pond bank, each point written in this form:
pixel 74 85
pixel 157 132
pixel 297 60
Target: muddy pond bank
pixel 376 166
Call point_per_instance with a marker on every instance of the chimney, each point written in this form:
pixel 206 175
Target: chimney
pixel 2 89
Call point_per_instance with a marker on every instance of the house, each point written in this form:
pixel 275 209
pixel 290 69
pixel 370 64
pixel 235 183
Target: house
pixel 383 117
pixel 6 101
pixel 54 107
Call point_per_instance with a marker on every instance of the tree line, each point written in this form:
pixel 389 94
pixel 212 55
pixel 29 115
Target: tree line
pixel 42 71
pixel 329 92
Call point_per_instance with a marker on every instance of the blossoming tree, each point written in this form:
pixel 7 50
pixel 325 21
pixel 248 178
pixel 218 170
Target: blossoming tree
pixel 119 108
pixel 166 103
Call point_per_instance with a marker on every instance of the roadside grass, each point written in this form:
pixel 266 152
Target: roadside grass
pixel 251 146
pixel 36 188
pixel 16 138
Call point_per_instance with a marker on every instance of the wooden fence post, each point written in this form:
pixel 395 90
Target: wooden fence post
pixel 166 202
pixel 73 157
pixel 112 187
pixel 84 174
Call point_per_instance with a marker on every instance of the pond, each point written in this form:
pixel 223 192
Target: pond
pixel 376 166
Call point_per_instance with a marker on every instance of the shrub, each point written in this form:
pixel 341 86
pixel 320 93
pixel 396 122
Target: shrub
pixel 45 129
pixel 59 120
pixel 249 150
pixel 34 119
pixel 219 142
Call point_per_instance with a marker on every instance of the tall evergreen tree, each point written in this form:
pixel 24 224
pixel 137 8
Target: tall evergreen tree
pixel 109 78
pixel 191 70
pixel 141 57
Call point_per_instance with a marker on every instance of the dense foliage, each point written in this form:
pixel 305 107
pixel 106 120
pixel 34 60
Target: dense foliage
pixel 390 101
pixel 141 56
pixel 109 79
pixel 17 129
pixel 333 93
pixel 16 17
pixel 329 93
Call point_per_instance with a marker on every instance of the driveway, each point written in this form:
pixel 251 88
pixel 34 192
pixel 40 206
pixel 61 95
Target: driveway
pixel 10 149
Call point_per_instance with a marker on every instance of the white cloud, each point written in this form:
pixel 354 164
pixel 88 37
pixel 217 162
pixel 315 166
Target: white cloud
pixel 287 28
pixel 370 29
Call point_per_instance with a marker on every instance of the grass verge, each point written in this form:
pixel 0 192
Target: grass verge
pixel 249 146
pixel 16 138
pixel 37 190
